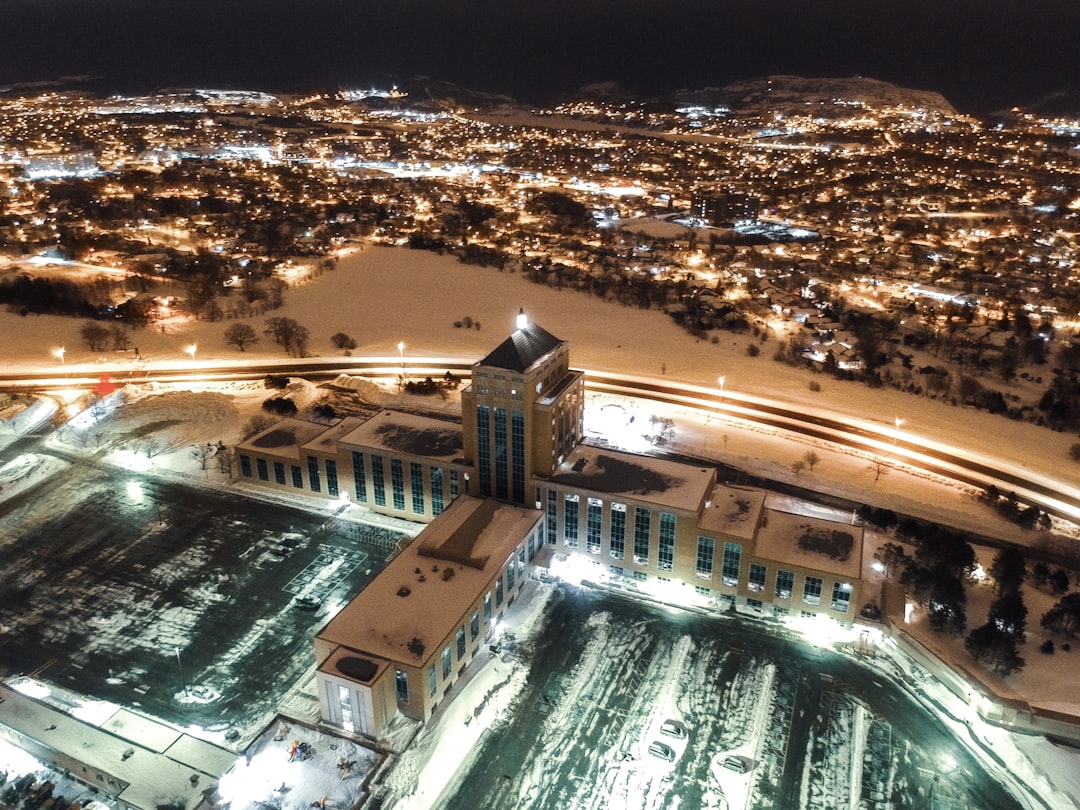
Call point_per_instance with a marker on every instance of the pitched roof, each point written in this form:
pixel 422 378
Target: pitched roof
pixel 523 348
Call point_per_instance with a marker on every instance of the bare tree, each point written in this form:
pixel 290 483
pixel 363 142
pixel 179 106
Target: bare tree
pixel 798 466
pixel 241 335
pixel 202 453
pixel 811 458
pixel 95 336
pixel 288 334
pixel 880 468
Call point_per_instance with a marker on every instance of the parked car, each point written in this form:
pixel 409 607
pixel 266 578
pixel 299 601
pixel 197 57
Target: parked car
pixel 737 764
pixel 673 728
pixel 662 750
pixel 307 603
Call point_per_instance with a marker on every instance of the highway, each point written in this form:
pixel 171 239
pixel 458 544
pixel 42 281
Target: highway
pixel 893 445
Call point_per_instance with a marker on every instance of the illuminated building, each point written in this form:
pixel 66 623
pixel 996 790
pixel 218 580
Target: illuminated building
pixel 512 488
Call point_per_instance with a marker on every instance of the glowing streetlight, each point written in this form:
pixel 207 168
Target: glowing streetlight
pixel 59 354
pixel 721 381
pixel 899 423
pixel 191 350
pixel 401 354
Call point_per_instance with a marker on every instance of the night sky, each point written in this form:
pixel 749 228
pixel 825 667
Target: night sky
pixel 981 55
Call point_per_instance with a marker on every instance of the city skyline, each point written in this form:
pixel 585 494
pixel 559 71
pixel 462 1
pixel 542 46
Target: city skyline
pixel 981 56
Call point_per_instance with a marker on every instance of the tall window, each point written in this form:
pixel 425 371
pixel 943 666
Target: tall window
pixel 594 520
pixel 313 474
pixel 732 558
pixel 401 682
pixel 570 519
pixel 756 577
pixel 617 547
pixel 500 454
pixel 666 550
pixel 437 500
pixel 447 662
pixel 297 477
pixel 483 447
pixel 487 608
pixel 785 584
pixel 499 592
pixel 279 473
pixel 378 480
pixel 811 592
pixel 397 483
pixel 245 466
pixel 510 575
pixel 517 453
pixel 416 480
pixel 552 516
pixel 260 465
pixel 642 525
pixel 841 596
pixel 331 478
pixel 359 480
pixel 461 643
pixel 432 684
pixel 453 484
pixel 474 626
pixel 706 548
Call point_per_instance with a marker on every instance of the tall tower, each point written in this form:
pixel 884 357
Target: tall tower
pixel 522 413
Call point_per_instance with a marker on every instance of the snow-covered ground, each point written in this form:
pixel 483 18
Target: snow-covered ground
pixel 382 296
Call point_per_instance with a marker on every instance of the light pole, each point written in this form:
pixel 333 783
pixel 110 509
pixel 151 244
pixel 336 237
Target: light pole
pixel 721 379
pixel 401 354
pixel 191 350
pixel 899 423
pixel 59 355
pixel 183 683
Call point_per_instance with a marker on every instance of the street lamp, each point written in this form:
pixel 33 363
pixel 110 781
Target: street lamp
pixel 183 683
pixel 59 354
pixel 191 350
pixel 721 381
pixel 898 422
pixel 401 354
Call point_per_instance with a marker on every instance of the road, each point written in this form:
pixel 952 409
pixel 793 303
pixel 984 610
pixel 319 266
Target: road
pixel 894 445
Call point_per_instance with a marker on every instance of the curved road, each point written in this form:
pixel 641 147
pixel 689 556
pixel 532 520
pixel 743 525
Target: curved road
pixel 890 444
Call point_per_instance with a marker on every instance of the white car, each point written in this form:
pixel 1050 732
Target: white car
pixel 673 728
pixel 662 750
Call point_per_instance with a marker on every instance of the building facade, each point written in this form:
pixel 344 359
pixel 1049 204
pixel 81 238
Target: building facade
pixel 402 643
pixel 514 479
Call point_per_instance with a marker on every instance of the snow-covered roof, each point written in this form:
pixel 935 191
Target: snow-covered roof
pixel 522 349
pixel 284 438
pixel 733 511
pixel 811 542
pixel 408 434
pixel 664 483
pixel 425 591
pixel 152 764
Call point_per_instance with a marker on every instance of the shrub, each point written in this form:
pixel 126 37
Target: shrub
pixel 815 386
pixel 753 350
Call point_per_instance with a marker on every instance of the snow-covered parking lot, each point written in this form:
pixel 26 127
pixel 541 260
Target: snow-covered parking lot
pixel 770 722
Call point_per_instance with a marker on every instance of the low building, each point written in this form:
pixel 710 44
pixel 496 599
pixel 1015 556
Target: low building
pixel 401 644
pixel 141 763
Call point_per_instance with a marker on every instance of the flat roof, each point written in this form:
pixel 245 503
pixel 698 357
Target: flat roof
pixel 734 511
pixel 422 595
pixel 326 442
pixel 408 434
pixel 284 438
pixel 811 542
pixel 664 483
pixel 153 777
